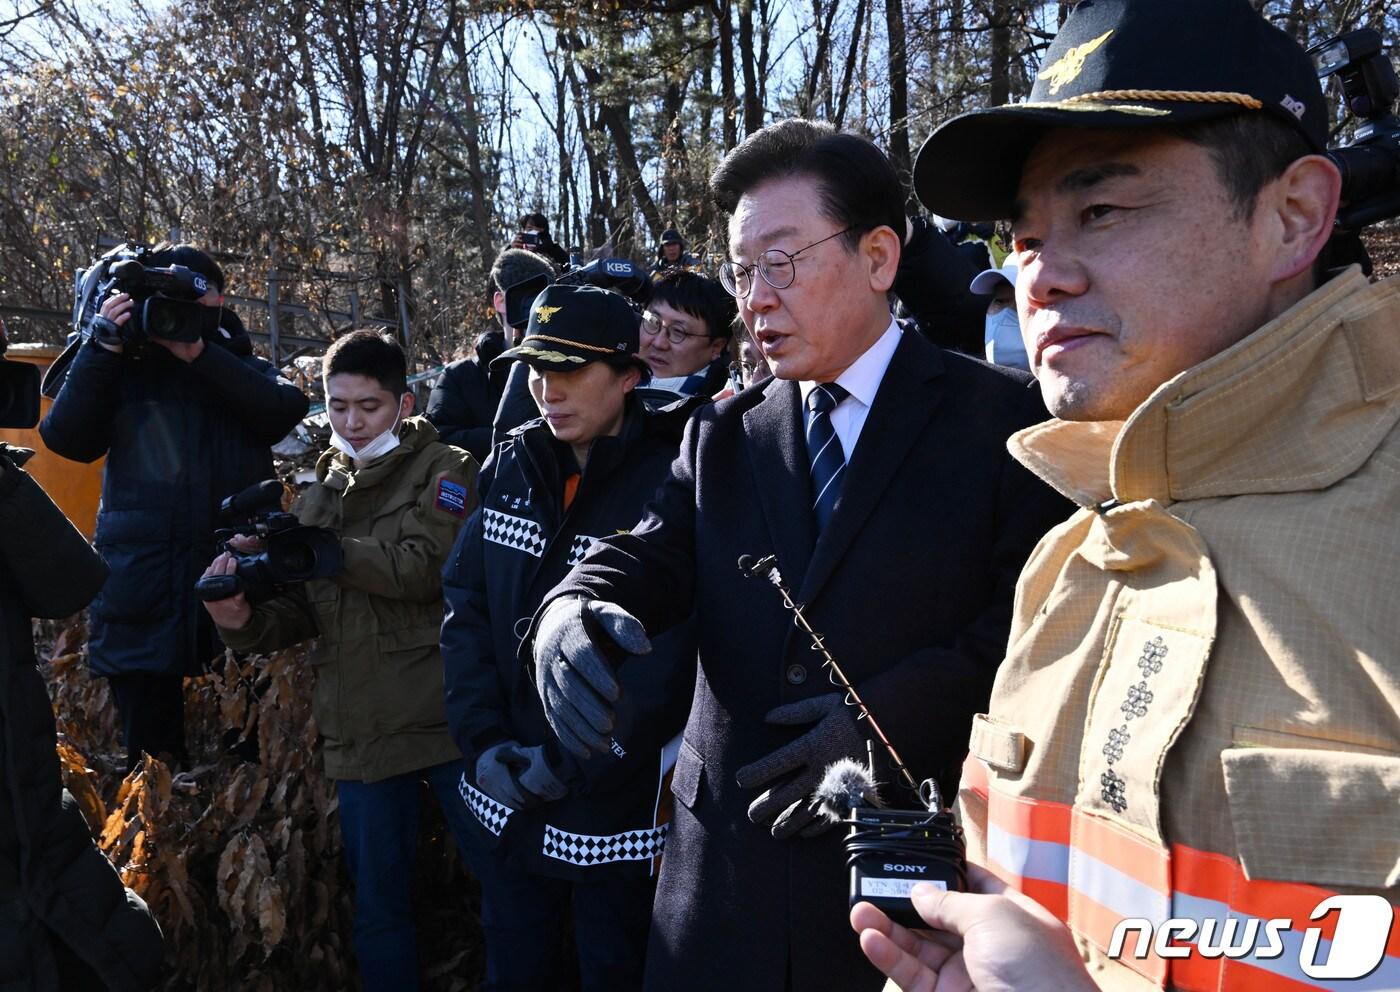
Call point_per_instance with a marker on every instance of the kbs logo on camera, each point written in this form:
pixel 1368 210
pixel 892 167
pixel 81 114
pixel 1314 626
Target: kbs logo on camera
pixel 1357 947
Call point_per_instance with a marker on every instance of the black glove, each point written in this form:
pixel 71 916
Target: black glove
pixel 575 645
pixel 539 779
pixel 788 805
pixel 496 771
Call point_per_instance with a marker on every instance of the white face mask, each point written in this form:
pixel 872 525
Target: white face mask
pixel 376 449
pixel 1003 340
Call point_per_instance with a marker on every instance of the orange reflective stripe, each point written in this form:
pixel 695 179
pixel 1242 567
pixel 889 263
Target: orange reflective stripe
pixel 1033 819
pixel 1093 873
pixel 1097 923
pixel 1122 850
pixel 1052 895
pixel 1216 877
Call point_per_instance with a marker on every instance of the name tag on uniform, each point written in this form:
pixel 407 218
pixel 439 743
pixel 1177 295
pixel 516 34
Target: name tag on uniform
pixel 452 497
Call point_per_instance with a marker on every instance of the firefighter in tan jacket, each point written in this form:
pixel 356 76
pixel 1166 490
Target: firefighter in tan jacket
pixel 1193 745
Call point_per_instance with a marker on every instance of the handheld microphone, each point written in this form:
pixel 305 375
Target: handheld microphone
pixel 888 851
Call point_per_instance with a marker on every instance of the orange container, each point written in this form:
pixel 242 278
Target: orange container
pixel 76 487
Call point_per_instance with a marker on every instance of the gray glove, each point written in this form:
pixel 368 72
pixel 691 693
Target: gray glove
pixel 577 645
pixel 788 805
pixel 496 771
pixel 539 780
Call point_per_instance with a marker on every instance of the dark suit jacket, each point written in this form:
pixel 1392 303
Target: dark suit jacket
pixel 911 583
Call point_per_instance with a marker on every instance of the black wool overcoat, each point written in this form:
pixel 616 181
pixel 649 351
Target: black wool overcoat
pixel 911 582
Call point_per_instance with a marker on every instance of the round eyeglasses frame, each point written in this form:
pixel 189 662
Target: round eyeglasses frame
pixel 651 326
pixel 737 279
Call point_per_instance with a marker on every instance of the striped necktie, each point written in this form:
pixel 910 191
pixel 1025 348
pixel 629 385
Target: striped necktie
pixel 824 449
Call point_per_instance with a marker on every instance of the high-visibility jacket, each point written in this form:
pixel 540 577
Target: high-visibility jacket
pixel 1199 713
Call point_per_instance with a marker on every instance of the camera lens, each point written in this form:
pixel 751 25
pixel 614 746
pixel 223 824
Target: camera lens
pixel 161 319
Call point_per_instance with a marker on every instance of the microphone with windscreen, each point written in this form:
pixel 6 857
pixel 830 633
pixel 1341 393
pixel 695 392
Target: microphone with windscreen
pixel 888 851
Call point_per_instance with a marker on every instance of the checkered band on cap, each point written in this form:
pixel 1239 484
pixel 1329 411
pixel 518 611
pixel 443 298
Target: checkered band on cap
pixel 579 548
pixel 597 849
pixel 493 815
pixel 513 532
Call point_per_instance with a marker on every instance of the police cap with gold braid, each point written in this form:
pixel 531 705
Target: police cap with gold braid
pixel 1124 64
pixel 571 326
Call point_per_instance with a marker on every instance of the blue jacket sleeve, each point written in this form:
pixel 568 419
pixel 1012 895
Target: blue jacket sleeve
pixel 264 402
pixel 656 694
pixel 79 424
pixel 650 572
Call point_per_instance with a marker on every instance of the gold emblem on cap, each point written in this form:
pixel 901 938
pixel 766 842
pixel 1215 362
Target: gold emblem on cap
pixel 1071 64
pixel 544 313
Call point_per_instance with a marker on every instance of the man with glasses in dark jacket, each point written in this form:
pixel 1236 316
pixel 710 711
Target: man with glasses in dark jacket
pixel 874 468
pixel 183 425
pixel 686 330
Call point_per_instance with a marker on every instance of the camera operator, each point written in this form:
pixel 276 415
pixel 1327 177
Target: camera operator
pixel 396 495
pixel 182 424
pixel 66 922
pixel 464 402
pixel 534 236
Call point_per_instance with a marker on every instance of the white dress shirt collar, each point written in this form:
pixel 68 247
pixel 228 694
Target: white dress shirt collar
pixel 862 381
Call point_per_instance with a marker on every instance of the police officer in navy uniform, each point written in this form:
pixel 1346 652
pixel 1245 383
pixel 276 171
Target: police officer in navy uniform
pixel 555 833
pixel 874 466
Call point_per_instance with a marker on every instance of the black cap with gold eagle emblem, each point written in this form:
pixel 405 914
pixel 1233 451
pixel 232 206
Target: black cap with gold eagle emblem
pixel 1124 64
pixel 571 326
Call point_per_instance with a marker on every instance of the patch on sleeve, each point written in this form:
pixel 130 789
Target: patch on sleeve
pixel 452 497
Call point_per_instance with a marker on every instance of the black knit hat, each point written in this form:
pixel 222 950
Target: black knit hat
pixel 1124 64
pixel 571 326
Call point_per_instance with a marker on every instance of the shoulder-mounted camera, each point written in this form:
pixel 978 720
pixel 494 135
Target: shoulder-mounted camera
pixel 165 296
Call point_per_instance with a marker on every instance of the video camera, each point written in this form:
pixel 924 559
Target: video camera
pixel 1370 163
pixel 164 296
pixel 617 274
pixel 19 389
pixel 292 552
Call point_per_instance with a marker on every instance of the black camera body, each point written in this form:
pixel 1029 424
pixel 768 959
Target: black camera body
pixel 292 552
pixel 164 297
pixel 889 851
pixel 1370 163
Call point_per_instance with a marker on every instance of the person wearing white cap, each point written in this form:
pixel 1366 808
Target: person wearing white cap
pixel 1003 336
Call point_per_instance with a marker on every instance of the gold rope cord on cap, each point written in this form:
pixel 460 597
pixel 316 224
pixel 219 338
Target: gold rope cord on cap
pixel 571 344
pixel 1174 96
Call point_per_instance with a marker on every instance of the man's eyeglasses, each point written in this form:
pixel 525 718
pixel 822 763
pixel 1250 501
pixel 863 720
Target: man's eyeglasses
pixel 777 267
pixel 652 326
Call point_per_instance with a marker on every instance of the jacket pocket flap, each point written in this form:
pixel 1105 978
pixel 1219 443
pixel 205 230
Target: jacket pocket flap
pixel 997 745
pixel 1321 817
pixel 413 638
pixel 685 783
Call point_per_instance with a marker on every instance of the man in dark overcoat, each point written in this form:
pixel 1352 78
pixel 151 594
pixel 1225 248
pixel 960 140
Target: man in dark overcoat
pixel 874 467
